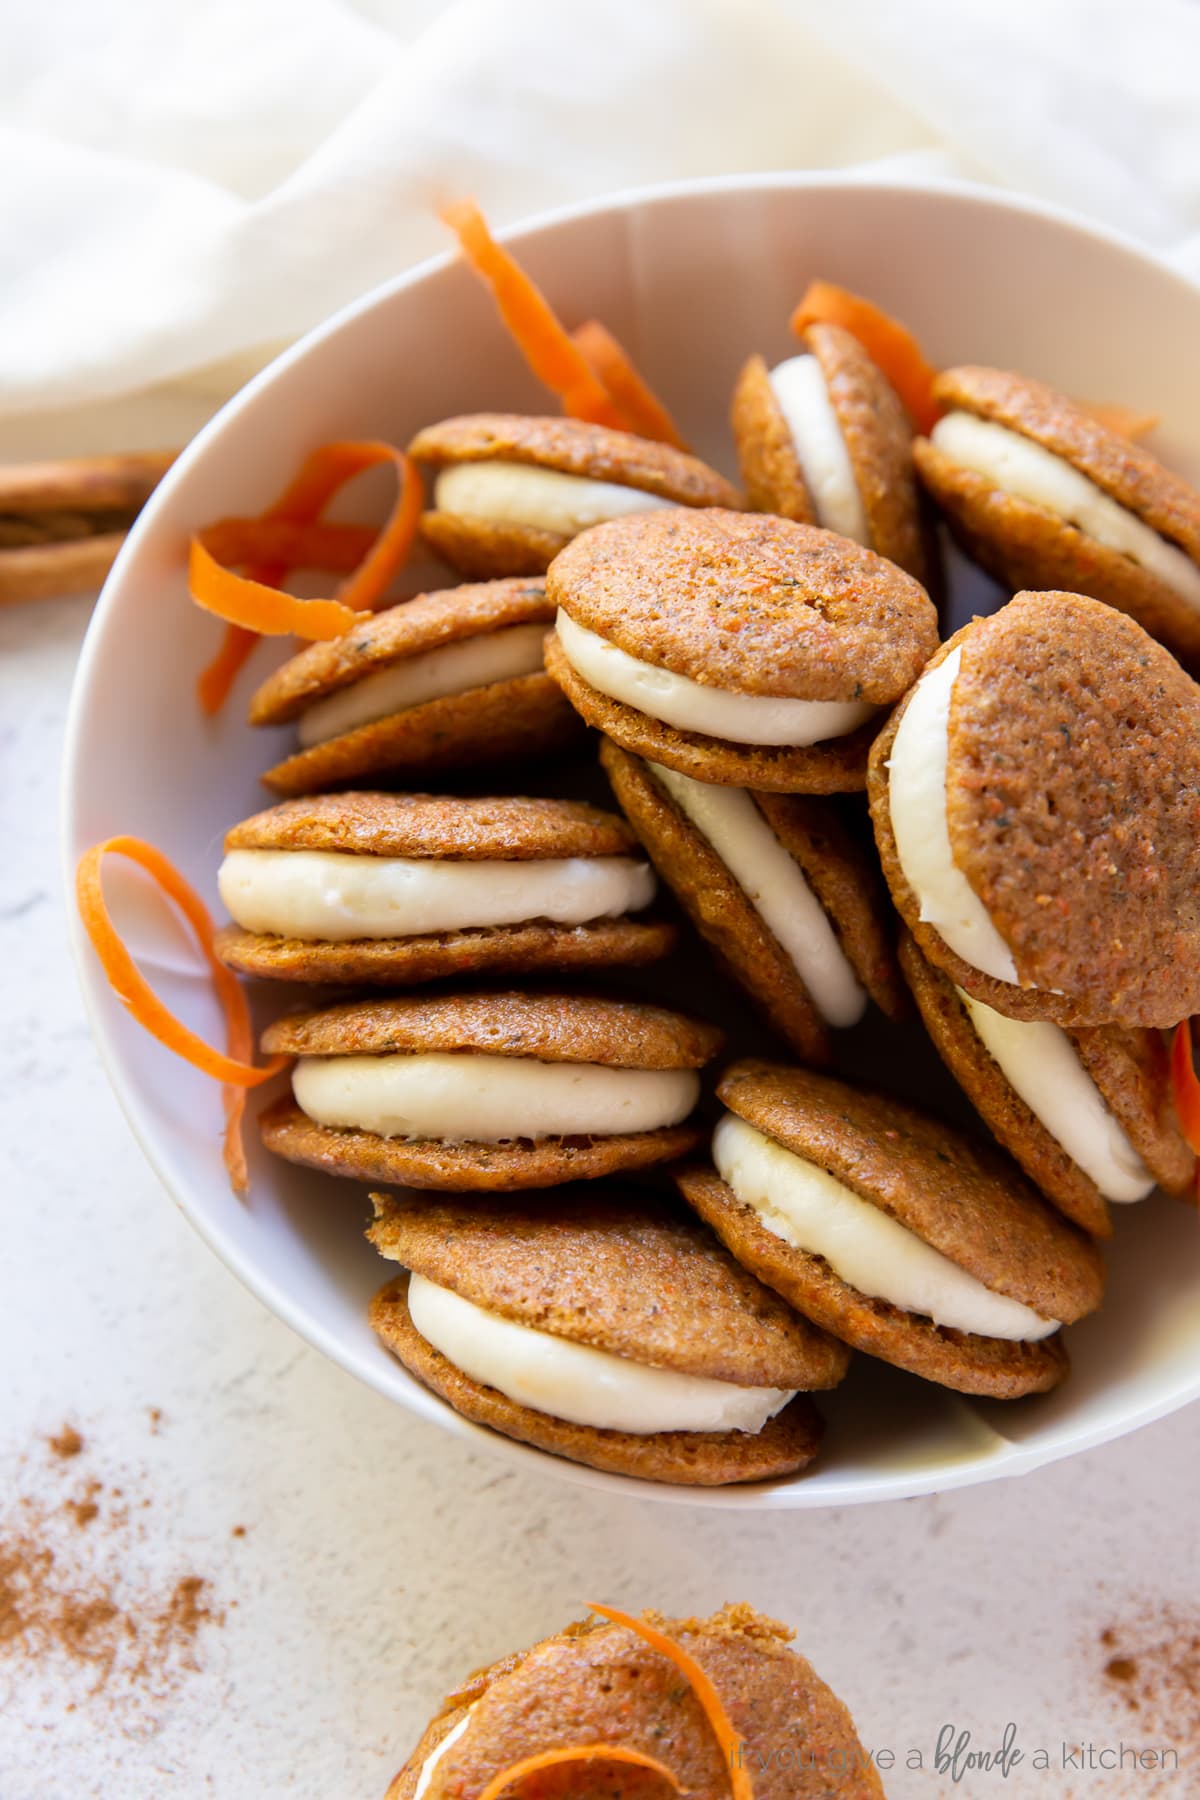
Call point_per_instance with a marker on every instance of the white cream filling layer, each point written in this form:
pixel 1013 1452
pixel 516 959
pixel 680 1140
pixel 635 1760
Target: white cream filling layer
pixel 1041 1063
pixel 510 493
pixel 451 669
pixel 775 886
pixel 1030 472
pixel 468 1098
pixel 690 706
pixel 917 804
pixel 803 398
pixel 330 896
pixel 810 1209
pixel 451 1738
pixel 576 1382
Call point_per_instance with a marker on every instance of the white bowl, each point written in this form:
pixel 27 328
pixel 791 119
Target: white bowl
pixel 693 278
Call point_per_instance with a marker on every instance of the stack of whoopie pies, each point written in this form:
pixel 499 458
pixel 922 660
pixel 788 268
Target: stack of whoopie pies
pixel 994 836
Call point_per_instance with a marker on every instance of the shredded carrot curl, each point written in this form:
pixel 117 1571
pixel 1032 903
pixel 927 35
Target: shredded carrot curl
pixel 644 412
pixel 1185 1088
pixel 232 1066
pixel 741 1786
pixel 269 611
pixel 547 1759
pixel 1121 419
pixel 265 544
pixel 543 340
pixel 891 345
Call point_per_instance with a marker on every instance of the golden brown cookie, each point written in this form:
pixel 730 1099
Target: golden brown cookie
pixel 513 716
pixel 1073 766
pixel 755 609
pixel 478 546
pixel 1128 1068
pixel 1028 545
pixel 964 1201
pixel 440 830
pixel 836 869
pixel 466 1090
pixel 631 1276
pixel 878 438
pixel 599 1682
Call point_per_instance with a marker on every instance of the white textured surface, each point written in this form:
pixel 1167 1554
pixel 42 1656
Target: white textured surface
pixel 382 1559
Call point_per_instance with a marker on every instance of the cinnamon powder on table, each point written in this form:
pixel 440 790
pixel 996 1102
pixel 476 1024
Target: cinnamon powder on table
pixel 1151 1671
pixel 74 1604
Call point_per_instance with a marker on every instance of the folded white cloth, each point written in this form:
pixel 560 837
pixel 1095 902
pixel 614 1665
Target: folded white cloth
pixel 199 181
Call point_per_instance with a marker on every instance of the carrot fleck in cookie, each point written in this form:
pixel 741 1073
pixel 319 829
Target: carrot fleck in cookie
pixel 1035 800
pixel 604 1326
pixel 736 648
pixel 447 678
pixel 823 438
pixel 397 889
pixel 487 1091
pixel 893 1232
pixel 1087 1114
pixel 1045 496
pixel 599 1685
pixel 511 491
pixel 778 886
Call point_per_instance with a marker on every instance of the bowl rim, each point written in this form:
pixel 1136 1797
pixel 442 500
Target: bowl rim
pixel 1062 1439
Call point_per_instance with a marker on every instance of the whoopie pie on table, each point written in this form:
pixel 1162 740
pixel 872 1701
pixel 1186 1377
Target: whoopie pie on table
pixel 393 890
pixel 736 648
pixel 446 679
pixel 604 1325
pixel 511 491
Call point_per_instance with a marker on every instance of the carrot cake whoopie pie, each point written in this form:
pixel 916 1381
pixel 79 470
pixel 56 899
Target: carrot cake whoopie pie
pixel 737 648
pixel 511 491
pixel 627 1686
pixel 823 438
pixel 779 888
pixel 451 677
pixel 1088 1113
pixel 396 889
pixel 1046 496
pixel 893 1232
pixel 606 1326
pixel 487 1090
pixel 1035 806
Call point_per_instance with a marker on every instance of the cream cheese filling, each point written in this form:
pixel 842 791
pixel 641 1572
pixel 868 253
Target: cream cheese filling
pixel 510 493
pixel 451 1738
pixel 1030 472
pixel 1041 1063
pixel 810 1209
pixel 802 396
pixel 462 1097
pixel 917 805
pixel 330 896
pixel 690 706
pixel 774 884
pixel 450 669
pixel 576 1382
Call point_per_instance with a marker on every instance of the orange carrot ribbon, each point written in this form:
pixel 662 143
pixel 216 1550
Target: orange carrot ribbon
pixel 232 1067
pixel 640 406
pixel 572 1753
pixel 1121 419
pixel 889 344
pixel 287 536
pixel 1185 1089
pixel 741 1786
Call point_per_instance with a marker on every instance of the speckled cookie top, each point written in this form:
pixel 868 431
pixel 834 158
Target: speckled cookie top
pixel 602 1683
pixel 965 1199
pixel 513 828
pixel 614 1269
pixel 576 448
pixel 750 603
pixel 1073 802
pixel 624 1034
pixel 1126 470
pixel 410 629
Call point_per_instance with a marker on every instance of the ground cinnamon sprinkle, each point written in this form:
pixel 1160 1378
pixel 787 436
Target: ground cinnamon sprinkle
pixel 1151 1669
pixel 81 1602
